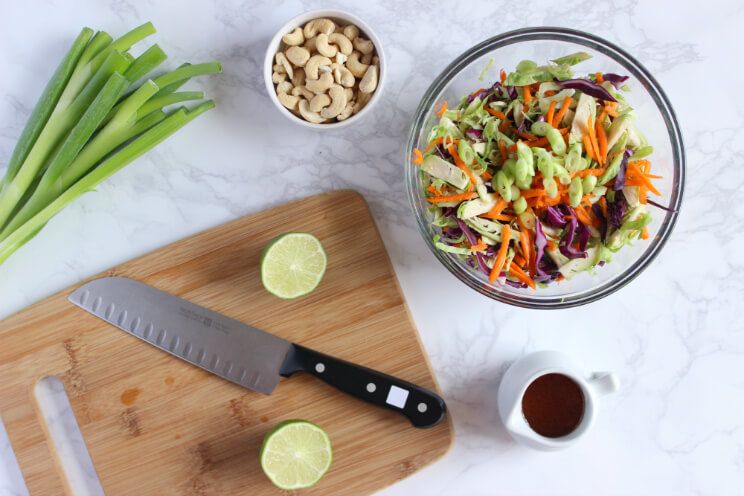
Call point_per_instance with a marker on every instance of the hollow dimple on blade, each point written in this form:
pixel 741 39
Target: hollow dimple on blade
pixel 226 347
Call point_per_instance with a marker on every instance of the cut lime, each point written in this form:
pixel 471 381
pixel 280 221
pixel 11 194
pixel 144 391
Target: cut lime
pixel 296 454
pixel 292 265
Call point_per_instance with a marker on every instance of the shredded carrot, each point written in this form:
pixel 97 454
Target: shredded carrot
pixel 593 139
pixel 502 149
pixel 602 140
pixel 502 76
pixel 549 93
pixel 486 175
pixel 462 166
pixel 598 77
pixel 588 172
pixel 442 109
pixel 418 157
pixel 527 96
pixel 519 274
pixel 602 116
pixel 496 113
pixel 452 198
pixel 588 146
pixel 477 91
pixel 498 264
pixel 562 112
pixel 526 135
pixel 584 217
pixel 519 260
pixel 524 240
pixel 610 109
pixel 644 233
pixel 504 126
pixel 501 217
pixel 603 206
pixel 431 189
pixel 636 174
pixel 551 112
pixel 551 245
pixel 541 142
pixel 497 209
pixel 643 194
pixel 481 246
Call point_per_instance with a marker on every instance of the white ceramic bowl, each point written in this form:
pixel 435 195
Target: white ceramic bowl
pixel 338 16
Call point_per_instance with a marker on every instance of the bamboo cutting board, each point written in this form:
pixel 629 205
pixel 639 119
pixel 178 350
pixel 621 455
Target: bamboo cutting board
pixel 155 425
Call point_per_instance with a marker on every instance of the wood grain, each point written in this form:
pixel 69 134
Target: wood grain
pixel 155 425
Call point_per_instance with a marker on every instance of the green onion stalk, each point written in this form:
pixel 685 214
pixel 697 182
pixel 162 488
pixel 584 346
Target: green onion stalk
pixel 99 112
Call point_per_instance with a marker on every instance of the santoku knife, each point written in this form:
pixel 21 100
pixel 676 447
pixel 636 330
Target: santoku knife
pixel 240 353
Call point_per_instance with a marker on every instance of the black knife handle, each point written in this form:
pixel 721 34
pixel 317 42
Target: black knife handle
pixel 421 406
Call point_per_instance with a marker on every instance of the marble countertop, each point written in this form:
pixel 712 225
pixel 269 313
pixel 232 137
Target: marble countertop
pixel 674 335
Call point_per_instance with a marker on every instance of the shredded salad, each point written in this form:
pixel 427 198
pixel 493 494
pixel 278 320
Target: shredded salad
pixel 540 176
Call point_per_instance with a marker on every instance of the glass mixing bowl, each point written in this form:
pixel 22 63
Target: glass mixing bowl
pixel 654 116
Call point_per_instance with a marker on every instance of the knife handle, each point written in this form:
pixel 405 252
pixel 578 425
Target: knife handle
pixel 421 406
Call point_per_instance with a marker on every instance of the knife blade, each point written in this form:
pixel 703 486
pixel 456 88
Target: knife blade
pixel 240 353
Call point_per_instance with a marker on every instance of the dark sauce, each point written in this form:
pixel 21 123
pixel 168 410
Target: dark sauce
pixel 553 405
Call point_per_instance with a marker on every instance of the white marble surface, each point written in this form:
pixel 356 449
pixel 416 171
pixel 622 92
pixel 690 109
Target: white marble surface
pixel 674 335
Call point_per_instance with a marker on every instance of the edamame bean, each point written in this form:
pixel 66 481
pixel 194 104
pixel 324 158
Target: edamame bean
pixel 555 138
pixel 575 192
pixel 589 183
pixel 504 185
pixel 515 192
pixel 519 206
pixel 540 128
pixel 524 184
pixel 551 187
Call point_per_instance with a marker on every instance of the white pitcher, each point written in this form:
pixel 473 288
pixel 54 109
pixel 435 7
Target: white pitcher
pixel 528 368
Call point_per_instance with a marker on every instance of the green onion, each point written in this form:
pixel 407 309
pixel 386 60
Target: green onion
pixel 90 122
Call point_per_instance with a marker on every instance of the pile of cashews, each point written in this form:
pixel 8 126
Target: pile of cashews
pixel 325 72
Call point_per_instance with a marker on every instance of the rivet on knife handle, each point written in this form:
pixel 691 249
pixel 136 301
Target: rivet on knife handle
pixel 421 406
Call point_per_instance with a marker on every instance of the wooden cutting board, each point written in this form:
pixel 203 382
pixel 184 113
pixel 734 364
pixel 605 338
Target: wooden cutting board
pixel 155 425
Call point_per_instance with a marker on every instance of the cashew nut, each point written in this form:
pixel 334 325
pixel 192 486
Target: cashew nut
pixel 366 59
pixel 363 45
pixel 341 58
pixel 298 78
pixel 312 28
pixel 346 112
pixel 277 78
pixel 310 44
pixel 323 47
pixel 376 61
pixel 294 38
pixel 281 59
pixel 309 115
pixel 355 66
pixel 361 100
pixel 279 68
pixel 338 102
pixel 311 67
pixel 288 100
pixel 297 55
pixel 342 42
pixel 349 94
pixel 321 84
pixel 283 87
pixel 342 75
pixel 319 102
pixel 369 81
pixel 351 32
pixel 303 92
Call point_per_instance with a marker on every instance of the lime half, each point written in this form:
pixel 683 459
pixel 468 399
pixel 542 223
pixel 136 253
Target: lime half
pixel 292 265
pixel 295 454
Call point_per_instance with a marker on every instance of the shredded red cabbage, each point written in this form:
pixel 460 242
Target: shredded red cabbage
pixel 474 134
pixel 616 210
pixel 554 217
pixel 566 243
pixel 620 178
pixel 469 234
pixel 584 235
pixel 615 79
pixel 597 209
pixel 586 86
pixel 482 263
